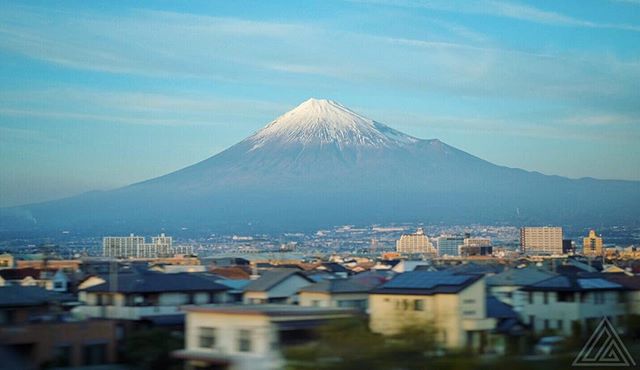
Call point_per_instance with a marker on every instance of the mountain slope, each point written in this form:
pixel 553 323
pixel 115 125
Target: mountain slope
pixel 322 164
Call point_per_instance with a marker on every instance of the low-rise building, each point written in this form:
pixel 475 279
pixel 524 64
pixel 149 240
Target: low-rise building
pixel 276 286
pixel 351 293
pixel 454 304
pixel 572 304
pixel 505 286
pixel 36 331
pixel 131 296
pixel 249 337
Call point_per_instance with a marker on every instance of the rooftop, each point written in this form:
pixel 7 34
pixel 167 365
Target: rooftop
pixel 270 310
pixel 157 282
pixel 427 283
pixel 271 278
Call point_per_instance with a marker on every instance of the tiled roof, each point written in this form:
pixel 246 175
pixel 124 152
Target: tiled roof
pixel 629 282
pixel 156 282
pixel 519 277
pixel 574 283
pixel 499 310
pixel 270 310
pixel 271 278
pixel 427 283
pixel 342 286
pixel 14 295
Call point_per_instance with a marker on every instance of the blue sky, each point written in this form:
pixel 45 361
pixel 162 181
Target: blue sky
pixel 100 94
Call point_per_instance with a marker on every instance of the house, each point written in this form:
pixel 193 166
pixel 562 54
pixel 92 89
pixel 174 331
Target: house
pixel 352 293
pixel 632 284
pixel 249 337
pixel 136 294
pixel 572 304
pixel 454 304
pixel 508 335
pixel 50 279
pixel 276 286
pixel 505 285
pixel 36 330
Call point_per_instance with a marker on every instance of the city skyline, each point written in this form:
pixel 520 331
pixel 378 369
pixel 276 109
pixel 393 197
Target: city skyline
pixel 88 89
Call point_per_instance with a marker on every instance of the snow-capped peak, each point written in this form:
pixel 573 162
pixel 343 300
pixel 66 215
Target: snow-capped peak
pixel 322 121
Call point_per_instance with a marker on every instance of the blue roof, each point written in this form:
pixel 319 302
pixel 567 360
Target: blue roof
pixel 427 283
pixel 426 280
pixel 573 283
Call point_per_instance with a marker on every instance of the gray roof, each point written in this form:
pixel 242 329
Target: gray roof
pixel 273 277
pixel 519 277
pixel 157 282
pixel 342 286
pixel 270 309
pixel 19 296
pixel 573 283
pixel 427 283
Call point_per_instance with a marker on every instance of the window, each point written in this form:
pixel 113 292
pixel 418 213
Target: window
pixel 546 324
pixel 62 356
pixel 566 297
pixel 418 305
pixel 622 297
pixel 95 354
pixel 532 321
pixel 244 340
pixel 206 337
pixel 469 301
pixel 315 303
pixel 598 297
pixel 546 297
pixel 468 313
pixel 530 297
pixel 560 325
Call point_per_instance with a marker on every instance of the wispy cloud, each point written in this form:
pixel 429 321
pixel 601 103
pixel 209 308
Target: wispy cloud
pixel 138 108
pixel 504 9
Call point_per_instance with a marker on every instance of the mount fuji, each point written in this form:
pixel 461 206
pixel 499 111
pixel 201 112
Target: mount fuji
pixel 322 164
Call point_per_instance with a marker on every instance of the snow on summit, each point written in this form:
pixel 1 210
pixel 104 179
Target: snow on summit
pixel 321 122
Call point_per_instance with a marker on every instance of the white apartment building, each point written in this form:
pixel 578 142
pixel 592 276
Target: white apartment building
pixel 136 247
pixel 541 240
pixel 417 243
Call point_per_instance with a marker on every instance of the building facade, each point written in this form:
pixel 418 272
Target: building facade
pixel 454 304
pixel 417 243
pixel 592 244
pixel 541 240
pixel 448 245
pixel 133 246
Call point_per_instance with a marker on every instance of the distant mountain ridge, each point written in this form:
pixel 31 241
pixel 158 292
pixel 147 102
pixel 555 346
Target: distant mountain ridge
pixel 322 164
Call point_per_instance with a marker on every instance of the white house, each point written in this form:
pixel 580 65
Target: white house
pixel 248 337
pixel 133 295
pixel 571 304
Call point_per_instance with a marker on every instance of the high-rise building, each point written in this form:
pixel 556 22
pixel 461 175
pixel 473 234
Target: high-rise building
pixel 592 244
pixel 417 243
pixel 541 240
pixel 135 247
pixel 448 245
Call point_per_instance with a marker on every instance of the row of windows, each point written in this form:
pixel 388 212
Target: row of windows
pixel 207 338
pixel 595 297
pixel 410 305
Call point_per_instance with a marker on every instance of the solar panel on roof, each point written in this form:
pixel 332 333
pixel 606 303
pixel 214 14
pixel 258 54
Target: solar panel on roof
pixel 596 284
pixel 425 280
